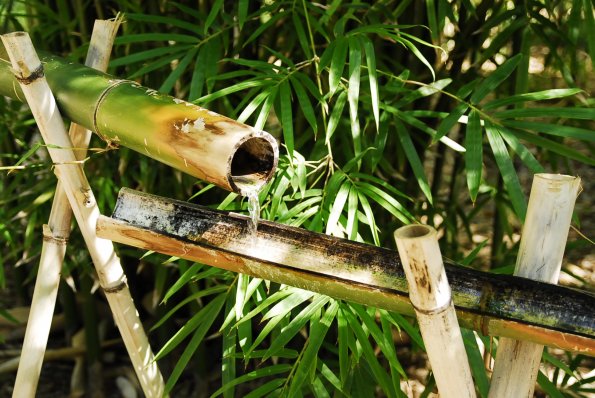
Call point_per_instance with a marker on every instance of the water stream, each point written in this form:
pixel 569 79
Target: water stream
pixel 253 210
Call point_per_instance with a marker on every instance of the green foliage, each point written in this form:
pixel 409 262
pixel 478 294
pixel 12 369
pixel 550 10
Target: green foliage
pixel 385 110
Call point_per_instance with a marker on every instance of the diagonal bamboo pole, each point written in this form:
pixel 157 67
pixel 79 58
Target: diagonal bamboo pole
pixel 495 305
pixel 431 298
pixel 29 72
pixel 540 255
pixel 55 237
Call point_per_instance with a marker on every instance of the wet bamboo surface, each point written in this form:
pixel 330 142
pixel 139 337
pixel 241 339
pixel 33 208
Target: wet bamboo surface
pixel 491 304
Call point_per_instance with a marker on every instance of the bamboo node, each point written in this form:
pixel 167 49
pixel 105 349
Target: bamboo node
pixel 115 289
pixel 433 311
pixel 37 73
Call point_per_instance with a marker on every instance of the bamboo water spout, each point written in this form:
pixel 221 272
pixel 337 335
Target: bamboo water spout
pixel 189 138
pixel 496 305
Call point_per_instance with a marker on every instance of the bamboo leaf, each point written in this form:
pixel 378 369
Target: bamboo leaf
pixel 355 59
pixel 173 77
pixel 266 388
pixel 184 279
pixel 547 386
pixel 283 308
pixel 414 160
pixel 304 103
pixel 373 78
pixel 205 315
pixel 266 108
pixel 337 209
pixel 370 217
pixel 210 314
pixel 145 37
pixel 509 176
pixel 252 106
pixel 214 10
pixel 535 96
pixel 318 332
pixel 418 54
pixel 298 322
pixel 368 352
pixel 337 64
pixel 253 375
pixel 447 124
pixel 148 54
pixel 165 20
pixel 424 91
pixel 233 89
pixel 301 34
pixel 336 115
pixel 521 150
pixel 286 115
pixel 553 129
pixel 571 113
pixel 555 147
pixel 273 20
pixel 352 221
pixel 476 362
pixel 242 12
pixel 495 79
pixel 474 154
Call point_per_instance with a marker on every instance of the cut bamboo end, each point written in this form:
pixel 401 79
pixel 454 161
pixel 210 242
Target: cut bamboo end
pixel 252 162
pixel 422 261
pixel 430 295
pixel 541 250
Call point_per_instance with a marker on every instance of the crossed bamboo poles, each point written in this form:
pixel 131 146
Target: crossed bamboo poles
pixel 73 195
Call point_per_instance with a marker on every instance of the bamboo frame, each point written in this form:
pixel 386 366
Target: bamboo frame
pixel 431 298
pixel 30 74
pixel 204 144
pixel 491 304
pixel 540 256
pixel 55 237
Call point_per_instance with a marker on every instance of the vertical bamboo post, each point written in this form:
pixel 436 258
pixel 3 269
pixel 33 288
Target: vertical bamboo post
pixel 430 296
pixel 540 255
pixel 29 72
pixel 55 237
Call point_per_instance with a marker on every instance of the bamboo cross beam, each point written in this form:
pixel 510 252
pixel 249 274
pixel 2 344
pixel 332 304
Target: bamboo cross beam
pixel 496 305
pixel 30 74
pixel 55 236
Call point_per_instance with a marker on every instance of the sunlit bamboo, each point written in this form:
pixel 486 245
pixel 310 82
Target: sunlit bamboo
pixel 540 255
pixel 30 74
pixel 431 298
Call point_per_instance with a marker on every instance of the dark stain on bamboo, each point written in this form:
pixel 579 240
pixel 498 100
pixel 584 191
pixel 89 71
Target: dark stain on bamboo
pixel 484 294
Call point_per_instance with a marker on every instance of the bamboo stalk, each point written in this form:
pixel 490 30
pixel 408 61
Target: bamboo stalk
pixel 55 237
pixel 540 256
pixel 430 296
pixel 29 73
pixel 491 304
pixel 182 135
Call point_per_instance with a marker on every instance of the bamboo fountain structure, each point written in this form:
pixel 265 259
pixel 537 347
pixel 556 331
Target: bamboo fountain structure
pixel 239 158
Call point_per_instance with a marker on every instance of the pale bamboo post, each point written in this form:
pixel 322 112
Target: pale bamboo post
pixel 430 296
pixel 29 72
pixel 55 237
pixel 540 255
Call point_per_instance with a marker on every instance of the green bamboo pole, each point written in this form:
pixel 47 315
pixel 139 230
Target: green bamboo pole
pixel 189 138
pixel 496 305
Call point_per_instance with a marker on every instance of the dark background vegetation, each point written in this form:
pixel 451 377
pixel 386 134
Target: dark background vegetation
pixel 371 102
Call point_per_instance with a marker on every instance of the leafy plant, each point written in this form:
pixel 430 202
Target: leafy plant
pixel 386 111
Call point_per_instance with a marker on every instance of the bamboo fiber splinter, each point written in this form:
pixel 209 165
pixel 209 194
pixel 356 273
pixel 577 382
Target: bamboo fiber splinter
pixel 430 296
pixel 540 255
pixel 182 135
pixel 29 73
pixel 55 237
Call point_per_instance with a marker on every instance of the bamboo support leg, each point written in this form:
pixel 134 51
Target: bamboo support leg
pixel 55 237
pixel 430 296
pixel 540 255
pixel 29 72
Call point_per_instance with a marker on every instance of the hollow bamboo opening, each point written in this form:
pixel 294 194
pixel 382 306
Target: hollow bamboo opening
pixel 413 232
pixel 253 163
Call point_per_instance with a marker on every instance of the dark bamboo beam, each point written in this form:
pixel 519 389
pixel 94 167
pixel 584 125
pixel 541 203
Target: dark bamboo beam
pixel 496 305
